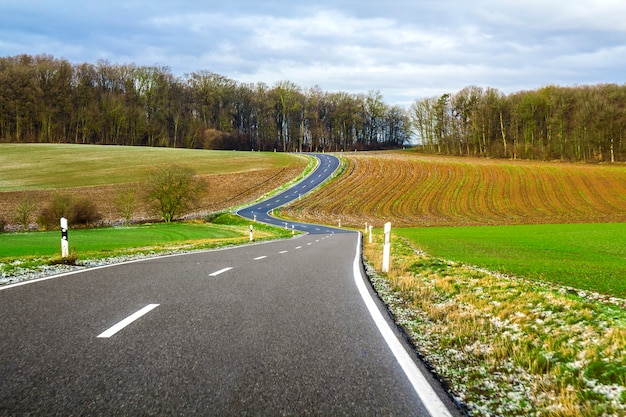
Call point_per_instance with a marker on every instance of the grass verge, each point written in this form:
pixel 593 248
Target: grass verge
pixel 20 252
pixel 507 346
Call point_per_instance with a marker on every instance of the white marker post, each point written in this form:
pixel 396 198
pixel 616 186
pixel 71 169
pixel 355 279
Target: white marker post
pixel 387 247
pixel 293 231
pixel 370 227
pixel 255 218
pixel 65 249
pixel 251 234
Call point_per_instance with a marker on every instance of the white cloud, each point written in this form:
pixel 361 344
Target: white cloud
pixel 402 48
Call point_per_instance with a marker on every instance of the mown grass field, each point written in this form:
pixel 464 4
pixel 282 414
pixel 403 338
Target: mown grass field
pixel 99 173
pixel 585 256
pixel 86 242
pixel 50 166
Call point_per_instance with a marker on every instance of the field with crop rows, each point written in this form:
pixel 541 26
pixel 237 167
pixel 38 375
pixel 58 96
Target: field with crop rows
pixel 409 189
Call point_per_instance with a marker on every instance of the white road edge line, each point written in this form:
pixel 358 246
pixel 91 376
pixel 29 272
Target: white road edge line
pixel 221 271
pixel 128 320
pixel 427 394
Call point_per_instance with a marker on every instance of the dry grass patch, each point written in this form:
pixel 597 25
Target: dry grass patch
pixel 507 346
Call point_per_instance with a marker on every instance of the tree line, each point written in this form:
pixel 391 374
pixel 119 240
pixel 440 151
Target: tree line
pixel 44 99
pixel 582 123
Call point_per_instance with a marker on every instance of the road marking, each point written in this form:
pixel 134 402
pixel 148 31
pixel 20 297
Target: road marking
pixel 309 244
pixel 258 258
pixel 221 271
pixel 422 387
pixel 283 251
pixel 128 320
pixel 298 247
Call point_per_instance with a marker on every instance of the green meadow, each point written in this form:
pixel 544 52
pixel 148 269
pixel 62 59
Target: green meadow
pixel 585 256
pixel 110 239
pixel 49 166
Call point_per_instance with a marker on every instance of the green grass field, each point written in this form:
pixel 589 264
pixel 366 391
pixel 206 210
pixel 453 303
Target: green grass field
pixel 110 239
pixel 585 256
pixel 45 166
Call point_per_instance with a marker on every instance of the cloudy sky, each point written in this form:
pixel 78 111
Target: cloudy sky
pixel 406 49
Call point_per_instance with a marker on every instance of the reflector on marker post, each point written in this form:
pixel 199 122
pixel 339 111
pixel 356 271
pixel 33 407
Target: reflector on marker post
pixel 65 251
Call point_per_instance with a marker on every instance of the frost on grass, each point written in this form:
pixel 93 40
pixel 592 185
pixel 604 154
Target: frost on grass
pixel 507 346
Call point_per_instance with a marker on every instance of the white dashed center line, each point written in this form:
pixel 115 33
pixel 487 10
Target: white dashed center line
pixel 258 258
pixel 128 320
pixel 221 271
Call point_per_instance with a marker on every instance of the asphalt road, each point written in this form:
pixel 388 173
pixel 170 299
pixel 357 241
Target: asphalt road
pixel 281 328
pixel 261 212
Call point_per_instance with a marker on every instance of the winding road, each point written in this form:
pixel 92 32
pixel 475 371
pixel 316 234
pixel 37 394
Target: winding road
pixel 261 212
pixel 282 328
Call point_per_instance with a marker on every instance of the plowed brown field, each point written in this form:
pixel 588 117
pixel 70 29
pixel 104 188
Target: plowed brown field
pixel 409 189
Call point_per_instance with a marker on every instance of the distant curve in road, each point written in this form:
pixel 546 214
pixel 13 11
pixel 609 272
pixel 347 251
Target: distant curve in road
pixel 262 211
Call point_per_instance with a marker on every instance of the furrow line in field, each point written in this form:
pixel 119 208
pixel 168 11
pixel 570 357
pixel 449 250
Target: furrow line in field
pixel 419 190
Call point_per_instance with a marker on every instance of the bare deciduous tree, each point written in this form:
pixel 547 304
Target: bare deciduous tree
pixel 125 203
pixel 24 212
pixel 172 190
